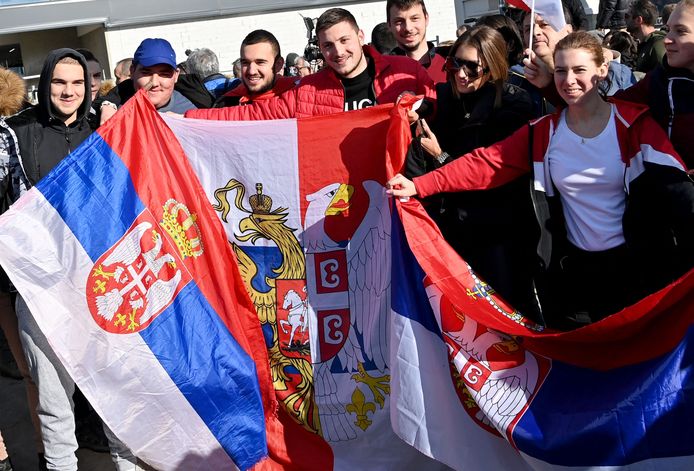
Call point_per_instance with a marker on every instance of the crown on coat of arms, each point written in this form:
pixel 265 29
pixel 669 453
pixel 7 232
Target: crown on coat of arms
pixel 180 224
pixel 260 203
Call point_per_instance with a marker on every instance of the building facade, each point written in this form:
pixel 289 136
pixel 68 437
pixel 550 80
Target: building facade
pixel 112 29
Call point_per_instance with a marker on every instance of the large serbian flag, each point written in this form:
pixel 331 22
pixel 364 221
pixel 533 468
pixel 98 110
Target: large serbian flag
pixel 618 394
pixel 304 206
pixel 127 271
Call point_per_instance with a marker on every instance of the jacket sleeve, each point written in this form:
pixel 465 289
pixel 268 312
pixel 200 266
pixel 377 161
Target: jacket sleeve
pixel 665 201
pixel 279 107
pixel 637 93
pixel 13 180
pixel 605 11
pixel 481 169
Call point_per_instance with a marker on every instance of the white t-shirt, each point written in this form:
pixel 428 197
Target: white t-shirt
pixel 589 175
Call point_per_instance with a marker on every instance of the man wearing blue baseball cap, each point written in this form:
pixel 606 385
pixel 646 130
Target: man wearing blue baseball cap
pixel 153 69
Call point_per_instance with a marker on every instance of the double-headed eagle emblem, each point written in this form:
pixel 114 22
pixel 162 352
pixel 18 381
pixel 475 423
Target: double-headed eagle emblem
pixel 348 340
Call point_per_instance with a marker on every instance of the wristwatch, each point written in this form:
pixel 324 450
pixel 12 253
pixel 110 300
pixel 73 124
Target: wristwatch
pixel 442 157
pixel 108 103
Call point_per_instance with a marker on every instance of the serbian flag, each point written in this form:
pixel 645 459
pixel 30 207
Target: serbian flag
pixel 551 11
pixel 304 207
pixel 127 271
pixel 477 385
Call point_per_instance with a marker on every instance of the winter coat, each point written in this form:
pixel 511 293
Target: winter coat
pixel 322 93
pixel 433 61
pixel 650 52
pixel 611 14
pixel 620 77
pixel 218 84
pixel 669 94
pixel 578 14
pixel 194 89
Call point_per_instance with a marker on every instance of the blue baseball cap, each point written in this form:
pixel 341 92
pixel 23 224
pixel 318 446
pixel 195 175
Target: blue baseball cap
pixel 153 51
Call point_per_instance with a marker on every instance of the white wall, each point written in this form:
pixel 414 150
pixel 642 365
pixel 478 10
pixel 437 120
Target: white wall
pixel 224 35
pixel 465 9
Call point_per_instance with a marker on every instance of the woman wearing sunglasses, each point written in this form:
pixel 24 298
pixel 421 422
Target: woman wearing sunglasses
pixel 613 202
pixel 475 108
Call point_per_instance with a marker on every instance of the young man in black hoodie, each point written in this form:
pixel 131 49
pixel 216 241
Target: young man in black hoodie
pixel 58 124
pixel 46 133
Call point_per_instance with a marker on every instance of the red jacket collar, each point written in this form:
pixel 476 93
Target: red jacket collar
pixel 627 112
pixel 282 84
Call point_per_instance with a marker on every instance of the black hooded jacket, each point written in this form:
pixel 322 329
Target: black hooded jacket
pixel 44 139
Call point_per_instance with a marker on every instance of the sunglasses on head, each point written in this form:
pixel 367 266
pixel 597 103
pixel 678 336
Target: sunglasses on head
pixel 472 69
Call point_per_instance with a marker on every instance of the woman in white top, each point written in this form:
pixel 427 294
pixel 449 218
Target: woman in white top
pixel 609 191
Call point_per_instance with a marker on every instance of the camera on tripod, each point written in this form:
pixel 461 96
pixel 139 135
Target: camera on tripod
pixel 311 51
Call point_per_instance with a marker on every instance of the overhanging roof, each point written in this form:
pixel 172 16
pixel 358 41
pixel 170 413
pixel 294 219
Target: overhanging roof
pixel 34 16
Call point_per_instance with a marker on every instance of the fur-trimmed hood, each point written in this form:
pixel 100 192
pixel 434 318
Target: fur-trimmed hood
pixel 12 92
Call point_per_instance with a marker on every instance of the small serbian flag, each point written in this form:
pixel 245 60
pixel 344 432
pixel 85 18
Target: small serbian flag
pixel 551 11
pixel 127 270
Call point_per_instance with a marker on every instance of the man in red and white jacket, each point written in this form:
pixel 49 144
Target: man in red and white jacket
pixel 356 76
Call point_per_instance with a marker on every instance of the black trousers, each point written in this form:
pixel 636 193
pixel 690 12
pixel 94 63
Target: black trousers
pixel 585 287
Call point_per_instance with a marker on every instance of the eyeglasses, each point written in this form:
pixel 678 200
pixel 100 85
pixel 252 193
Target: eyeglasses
pixel 472 69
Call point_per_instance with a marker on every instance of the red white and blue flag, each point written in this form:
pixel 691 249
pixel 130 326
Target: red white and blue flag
pixel 304 206
pixel 127 271
pixel 349 327
pixel 551 11
pixel 613 395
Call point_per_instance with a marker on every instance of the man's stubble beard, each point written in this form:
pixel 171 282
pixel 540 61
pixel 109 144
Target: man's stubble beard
pixel 264 89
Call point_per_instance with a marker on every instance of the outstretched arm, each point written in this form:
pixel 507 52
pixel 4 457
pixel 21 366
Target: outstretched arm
pixel 481 169
pixel 279 107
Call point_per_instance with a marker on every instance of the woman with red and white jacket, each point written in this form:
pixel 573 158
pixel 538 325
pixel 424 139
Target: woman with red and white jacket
pixel 614 204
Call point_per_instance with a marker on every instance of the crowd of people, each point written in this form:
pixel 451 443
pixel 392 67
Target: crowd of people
pixel 556 165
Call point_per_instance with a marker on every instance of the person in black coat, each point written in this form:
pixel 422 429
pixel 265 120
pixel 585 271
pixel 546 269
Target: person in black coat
pixel 578 20
pixel 476 108
pixel 611 14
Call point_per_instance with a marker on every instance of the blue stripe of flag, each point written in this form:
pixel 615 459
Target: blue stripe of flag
pixel 583 417
pixel 409 298
pixel 213 372
pixel 94 194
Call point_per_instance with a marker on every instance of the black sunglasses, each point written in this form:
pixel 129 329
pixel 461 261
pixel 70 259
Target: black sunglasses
pixel 472 69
